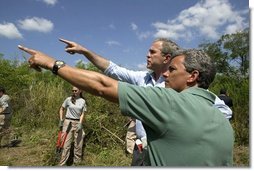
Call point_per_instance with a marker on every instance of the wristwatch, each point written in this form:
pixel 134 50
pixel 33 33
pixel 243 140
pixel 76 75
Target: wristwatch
pixel 57 66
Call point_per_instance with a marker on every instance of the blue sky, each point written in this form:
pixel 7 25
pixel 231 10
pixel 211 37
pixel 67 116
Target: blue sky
pixel 120 30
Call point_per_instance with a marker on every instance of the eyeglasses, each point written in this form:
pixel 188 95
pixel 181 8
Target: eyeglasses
pixel 74 91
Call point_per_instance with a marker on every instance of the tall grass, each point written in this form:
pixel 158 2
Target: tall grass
pixel 39 105
pixel 36 119
pixel 238 89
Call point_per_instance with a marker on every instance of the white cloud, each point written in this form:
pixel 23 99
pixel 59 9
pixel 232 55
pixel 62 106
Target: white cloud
pixel 10 31
pixel 140 35
pixel 36 24
pixel 50 2
pixel 206 18
pixel 134 26
pixel 113 43
pixel 143 35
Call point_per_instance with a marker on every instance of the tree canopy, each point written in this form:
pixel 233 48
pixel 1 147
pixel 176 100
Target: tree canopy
pixel 230 53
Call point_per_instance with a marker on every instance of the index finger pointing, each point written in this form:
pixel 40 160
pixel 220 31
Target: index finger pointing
pixel 66 41
pixel 30 51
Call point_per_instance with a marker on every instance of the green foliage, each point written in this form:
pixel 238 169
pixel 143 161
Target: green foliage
pixel 36 98
pixel 238 90
pixel 80 64
pixel 231 56
pixel 230 53
pixel 220 58
pixel 14 75
pixel 40 103
pixel 237 46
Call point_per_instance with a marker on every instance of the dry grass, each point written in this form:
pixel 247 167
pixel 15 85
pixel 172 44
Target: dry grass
pixel 241 156
pixel 29 154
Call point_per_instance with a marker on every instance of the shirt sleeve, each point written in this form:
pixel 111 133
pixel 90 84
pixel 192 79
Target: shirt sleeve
pixel 218 103
pixel 65 103
pixel 125 75
pixel 146 105
pixel 140 131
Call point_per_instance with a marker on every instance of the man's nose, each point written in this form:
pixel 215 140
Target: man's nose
pixel 165 74
pixel 148 55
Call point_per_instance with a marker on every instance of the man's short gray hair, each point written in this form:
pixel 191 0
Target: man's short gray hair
pixel 196 59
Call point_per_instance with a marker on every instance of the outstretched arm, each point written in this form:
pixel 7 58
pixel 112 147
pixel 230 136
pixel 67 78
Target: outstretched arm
pixel 90 81
pixel 72 48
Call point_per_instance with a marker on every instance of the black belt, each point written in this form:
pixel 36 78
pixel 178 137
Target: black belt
pixel 72 119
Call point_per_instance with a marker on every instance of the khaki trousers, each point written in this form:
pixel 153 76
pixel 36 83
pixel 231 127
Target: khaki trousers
pixel 131 137
pixel 75 136
pixel 5 122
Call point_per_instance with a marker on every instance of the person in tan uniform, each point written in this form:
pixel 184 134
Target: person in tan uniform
pixel 131 135
pixel 74 108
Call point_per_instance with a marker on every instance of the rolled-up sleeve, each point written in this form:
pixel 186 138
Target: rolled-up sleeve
pixel 125 75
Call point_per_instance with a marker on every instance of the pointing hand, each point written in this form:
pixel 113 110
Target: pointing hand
pixel 38 59
pixel 73 47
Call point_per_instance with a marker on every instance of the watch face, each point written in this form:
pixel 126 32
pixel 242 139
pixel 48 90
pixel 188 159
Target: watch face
pixel 59 62
pixel 57 66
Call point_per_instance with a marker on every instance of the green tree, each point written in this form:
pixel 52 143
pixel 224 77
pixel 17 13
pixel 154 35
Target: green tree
pixel 88 66
pixel 230 53
pixel 14 74
pixel 237 46
pixel 80 64
pixel 220 58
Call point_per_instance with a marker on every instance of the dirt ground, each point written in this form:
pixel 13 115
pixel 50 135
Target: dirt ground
pixel 20 156
pixel 24 155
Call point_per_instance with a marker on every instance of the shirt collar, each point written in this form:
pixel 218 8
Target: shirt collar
pixel 151 78
pixel 201 92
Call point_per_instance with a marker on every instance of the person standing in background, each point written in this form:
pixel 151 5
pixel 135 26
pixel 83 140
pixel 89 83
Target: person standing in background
pixel 227 100
pixel 225 97
pixel 131 135
pixel 5 117
pixel 72 112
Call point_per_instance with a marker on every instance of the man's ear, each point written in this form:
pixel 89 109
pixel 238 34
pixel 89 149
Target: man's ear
pixel 193 77
pixel 167 58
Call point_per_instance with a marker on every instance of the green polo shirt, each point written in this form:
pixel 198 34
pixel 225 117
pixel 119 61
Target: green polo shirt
pixel 183 129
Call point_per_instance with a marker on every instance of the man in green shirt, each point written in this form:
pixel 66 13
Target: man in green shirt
pixel 183 127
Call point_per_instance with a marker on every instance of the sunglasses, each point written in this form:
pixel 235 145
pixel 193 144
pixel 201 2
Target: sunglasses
pixel 74 91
